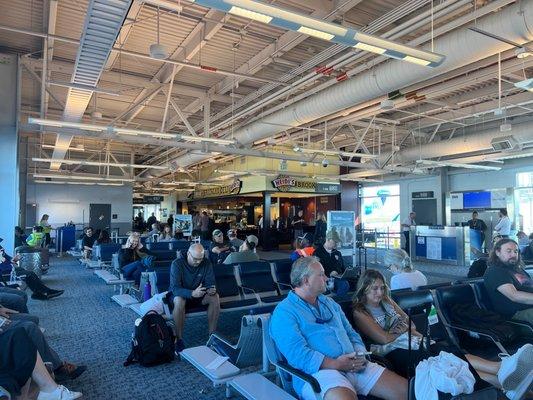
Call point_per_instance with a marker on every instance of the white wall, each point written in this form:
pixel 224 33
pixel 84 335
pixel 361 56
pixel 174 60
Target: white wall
pixel 66 203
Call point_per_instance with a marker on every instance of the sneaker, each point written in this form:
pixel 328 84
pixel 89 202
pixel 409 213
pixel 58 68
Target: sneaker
pixel 39 296
pixel 55 293
pixel 61 393
pixel 514 369
pixel 179 346
pixel 69 371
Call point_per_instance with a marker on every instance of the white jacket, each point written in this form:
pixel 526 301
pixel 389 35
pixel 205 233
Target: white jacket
pixel 446 373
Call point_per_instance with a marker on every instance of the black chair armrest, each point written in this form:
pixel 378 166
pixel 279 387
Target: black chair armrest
pixel 244 288
pixel 522 324
pixel 300 374
pixel 220 337
pixel 481 332
pixel 285 284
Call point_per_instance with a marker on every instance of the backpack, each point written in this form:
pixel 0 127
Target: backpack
pixel 152 343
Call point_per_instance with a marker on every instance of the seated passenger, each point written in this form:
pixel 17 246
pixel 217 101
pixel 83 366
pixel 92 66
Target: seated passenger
pixel 246 252
pixel 166 235
pixel 20 237
pixel 333 263
pixel 527 253
pixel 87 243
pixel 103 238
pixel 219 248
pixel 39 289
pixel 405 276
pixel 234 241
pixel 379 318
pixel 509 287
pixel 36 239
pixel 313 334
pixel 154 232
pixel 20 360
pixel 192 282
pixel 130 258
pixel 303 247
pixel 62 370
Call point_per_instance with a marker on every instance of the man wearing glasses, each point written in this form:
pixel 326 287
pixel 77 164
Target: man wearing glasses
pixel 313 334
pixel 192 282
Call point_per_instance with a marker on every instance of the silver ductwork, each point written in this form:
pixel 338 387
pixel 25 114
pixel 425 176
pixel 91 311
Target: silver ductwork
pixel 461 47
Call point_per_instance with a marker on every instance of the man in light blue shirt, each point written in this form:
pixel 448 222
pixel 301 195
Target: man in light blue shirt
pixel 313 334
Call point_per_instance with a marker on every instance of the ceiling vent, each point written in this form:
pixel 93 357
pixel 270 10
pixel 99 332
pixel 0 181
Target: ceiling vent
pixel 504 143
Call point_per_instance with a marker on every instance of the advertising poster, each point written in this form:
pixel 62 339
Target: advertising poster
pixel 342 224
pixel 183 222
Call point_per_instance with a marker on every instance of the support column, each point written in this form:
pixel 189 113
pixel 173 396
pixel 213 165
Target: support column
pixel 266 240
pixel 9 179
pixel 444 189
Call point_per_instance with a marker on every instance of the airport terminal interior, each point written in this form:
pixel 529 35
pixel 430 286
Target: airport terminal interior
pixel 266 199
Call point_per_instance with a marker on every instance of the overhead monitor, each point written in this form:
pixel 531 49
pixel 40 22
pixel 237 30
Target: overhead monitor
pixel 474 200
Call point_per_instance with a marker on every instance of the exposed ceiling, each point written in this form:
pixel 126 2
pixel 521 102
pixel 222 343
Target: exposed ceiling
pixel 261 72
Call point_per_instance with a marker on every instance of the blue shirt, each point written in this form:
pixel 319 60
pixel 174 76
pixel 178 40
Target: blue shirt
pixel 304 342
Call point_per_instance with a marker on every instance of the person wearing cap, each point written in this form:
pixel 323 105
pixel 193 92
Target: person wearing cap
pixel 246 252
pixel 234 241
pixel 219 248
pixel 303 247
pixel 330 257
pixel 192 282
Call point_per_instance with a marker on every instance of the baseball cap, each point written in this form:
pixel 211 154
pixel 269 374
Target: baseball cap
pixel 252 239
pixel 217 232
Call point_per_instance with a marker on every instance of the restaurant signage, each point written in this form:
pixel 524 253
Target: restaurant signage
pixel 285 183
pixel 233 188
pixel 152 199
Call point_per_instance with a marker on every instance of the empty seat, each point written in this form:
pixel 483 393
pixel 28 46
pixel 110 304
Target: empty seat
pixel 104 252
pixel 256 278
pixel 158 246
pixel 282 274
pixel 228 289
pixel 162 255
pixel 179 245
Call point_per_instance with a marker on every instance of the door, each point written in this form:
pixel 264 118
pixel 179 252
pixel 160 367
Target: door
pixel 100 216
pixel 426 211
pixel 31 215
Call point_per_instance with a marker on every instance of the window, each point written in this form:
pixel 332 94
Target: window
pixel 524 200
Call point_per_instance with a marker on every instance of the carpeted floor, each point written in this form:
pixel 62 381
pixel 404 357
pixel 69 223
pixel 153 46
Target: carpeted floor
pixel 86 327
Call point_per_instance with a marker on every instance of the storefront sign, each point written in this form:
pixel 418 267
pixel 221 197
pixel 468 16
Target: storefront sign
pixel 234 188
pixel 423 195
pixel 328 187
pixel 285 183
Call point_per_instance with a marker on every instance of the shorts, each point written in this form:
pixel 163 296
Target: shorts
pixel 358 382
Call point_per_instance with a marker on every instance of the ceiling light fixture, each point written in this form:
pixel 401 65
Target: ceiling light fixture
pixel 522 52
pixel 157 50
pixel 80 183
pixel 338 153
pixel 526 84
pixel 431 163
pixel 99 163
pixel 294 21
pixel 126 131
pixel 83 177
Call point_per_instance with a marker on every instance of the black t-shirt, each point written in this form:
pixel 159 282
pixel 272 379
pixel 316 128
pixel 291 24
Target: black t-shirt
pixel 88 241
pixel 478 224
pixel 497 276
pixel 330 261
pixel 296 224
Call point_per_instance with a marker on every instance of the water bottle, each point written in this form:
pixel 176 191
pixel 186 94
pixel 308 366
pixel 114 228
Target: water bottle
pixel 147 293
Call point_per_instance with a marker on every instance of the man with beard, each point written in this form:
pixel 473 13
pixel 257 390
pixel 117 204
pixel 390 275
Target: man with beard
pixel 510 288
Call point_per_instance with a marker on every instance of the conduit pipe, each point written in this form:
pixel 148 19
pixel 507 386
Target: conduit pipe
pixel 461 47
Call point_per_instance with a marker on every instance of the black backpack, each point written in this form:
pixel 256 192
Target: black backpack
pixel 152 343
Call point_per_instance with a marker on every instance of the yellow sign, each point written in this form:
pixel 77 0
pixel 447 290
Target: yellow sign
pixel 234 188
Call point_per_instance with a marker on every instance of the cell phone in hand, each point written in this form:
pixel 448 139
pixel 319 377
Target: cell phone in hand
pixel 4 322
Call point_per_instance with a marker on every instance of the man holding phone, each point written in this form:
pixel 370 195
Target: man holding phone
pixel 192 282
pixel 314 335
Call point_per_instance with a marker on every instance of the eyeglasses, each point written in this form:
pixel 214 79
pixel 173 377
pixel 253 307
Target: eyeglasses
pixel 195 258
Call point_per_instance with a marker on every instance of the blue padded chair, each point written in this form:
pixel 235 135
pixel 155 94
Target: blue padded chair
pixel 256 278
pixel 282 273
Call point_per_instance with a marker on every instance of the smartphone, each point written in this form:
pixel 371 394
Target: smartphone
pixel 363 353
pixel 4 322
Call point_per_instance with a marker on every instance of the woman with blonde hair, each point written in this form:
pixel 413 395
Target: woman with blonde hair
pixel 384 323
pixel 405 276
pixel 166 234
pixel 321 226
pixel 130 258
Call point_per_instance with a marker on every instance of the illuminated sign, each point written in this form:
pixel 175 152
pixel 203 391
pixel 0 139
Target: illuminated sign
pixel 285 183
pixel 234 188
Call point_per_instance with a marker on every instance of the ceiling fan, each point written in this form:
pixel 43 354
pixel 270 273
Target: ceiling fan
pixel 521 51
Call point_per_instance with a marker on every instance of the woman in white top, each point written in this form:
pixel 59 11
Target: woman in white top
pixel 503 227
pixel 405 275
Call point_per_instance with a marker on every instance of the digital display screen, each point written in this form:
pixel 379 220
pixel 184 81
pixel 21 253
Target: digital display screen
pixel 476 200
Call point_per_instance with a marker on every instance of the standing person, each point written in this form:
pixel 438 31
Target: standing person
pixel 404 273
pixel 192 282
pixel 204 225
pixel 478 225
pixel 298 224
pixel 509 287
pixel 406 228
pixel 151 220
pixel 321 226
pixel 170 221
pixel 47 228
pixel 314 335
pixel 503 227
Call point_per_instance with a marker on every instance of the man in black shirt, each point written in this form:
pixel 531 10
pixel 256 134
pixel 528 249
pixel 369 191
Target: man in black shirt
pixel 510 288
pixel 478 225
pixel 298 224
pixel 219 247
pixel 331 260
pixel 87 242
pixel 192 282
